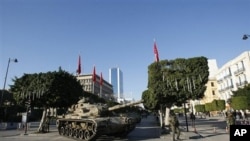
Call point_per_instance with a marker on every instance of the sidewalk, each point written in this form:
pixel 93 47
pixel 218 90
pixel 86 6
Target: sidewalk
pixel 208 129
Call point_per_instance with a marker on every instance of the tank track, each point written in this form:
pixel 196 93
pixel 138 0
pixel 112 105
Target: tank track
pixel 85 130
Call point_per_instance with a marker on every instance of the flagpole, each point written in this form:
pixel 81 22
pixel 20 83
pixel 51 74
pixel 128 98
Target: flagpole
pixel 94 79
pixel 100 90
pixel 93 87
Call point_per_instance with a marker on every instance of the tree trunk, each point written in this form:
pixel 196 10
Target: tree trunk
pixel 167 116
pixel 42 122
pixel 160 118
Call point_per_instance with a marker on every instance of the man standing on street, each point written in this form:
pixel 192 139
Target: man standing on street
pixel 230 120
pixel 174 124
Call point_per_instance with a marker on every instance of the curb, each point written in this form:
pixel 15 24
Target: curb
pixel 188 135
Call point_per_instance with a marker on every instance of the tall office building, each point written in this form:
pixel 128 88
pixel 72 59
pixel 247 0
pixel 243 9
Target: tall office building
pixel 116 79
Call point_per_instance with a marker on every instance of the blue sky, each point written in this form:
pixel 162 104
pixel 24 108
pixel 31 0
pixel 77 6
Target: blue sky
pixel 46 34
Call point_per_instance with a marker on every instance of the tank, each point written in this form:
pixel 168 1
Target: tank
pixel 88 121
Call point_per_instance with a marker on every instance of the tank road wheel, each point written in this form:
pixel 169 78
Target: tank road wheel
pixel 75 133
pixel 80 134
pixel 66 131
pixel 61 131
pixel 89 134
pixel 70 132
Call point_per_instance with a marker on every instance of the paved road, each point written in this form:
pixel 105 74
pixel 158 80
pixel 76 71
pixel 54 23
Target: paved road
pixel 209 129
pixel 147 130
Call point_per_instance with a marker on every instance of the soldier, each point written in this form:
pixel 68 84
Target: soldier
pixel 230 120
pixel 47 121
pixel 174 124
pixel 192 117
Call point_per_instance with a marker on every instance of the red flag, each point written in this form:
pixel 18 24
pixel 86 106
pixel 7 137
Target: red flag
pixel 94 75
pixel 79 66
pixel 101 81
pixel 156 53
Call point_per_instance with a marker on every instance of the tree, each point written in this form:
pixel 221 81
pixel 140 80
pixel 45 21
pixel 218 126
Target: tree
pixel 150 103
pixel 173 82
pixel 221 105
pixel 209 107
pixel 200 108
pixel 47 90
pixel 239 102
pixel 7 102
pixel 243 92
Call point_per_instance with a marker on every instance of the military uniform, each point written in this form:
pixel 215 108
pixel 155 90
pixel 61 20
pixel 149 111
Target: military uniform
pixel 230 119
pixel 174 124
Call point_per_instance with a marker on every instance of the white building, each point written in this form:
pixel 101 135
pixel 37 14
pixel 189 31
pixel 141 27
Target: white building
pixel 233 75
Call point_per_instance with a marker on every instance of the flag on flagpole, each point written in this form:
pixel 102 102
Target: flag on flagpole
pixel 101 81
pixel 156 52
pixel 94 75
pixel 79 66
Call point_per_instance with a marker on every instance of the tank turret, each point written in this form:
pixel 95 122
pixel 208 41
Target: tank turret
pixel 87 121
pixel 84 109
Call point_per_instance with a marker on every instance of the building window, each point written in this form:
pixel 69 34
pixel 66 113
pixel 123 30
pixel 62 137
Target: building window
pixel 212 84
pixel 213 92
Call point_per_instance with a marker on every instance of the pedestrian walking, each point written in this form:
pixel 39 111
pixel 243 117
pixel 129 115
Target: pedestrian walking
pixel 174 124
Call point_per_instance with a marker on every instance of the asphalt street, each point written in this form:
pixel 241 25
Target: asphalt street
pixel 209 129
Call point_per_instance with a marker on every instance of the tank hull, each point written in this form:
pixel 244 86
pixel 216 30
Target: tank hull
pixel 89 129
pixel 87 121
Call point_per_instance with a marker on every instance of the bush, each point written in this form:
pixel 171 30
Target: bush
pixel 200 108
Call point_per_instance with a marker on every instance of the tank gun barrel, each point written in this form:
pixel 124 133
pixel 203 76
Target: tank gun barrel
pixel 124 105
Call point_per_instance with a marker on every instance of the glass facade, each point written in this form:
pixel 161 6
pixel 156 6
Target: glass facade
pixel 116 79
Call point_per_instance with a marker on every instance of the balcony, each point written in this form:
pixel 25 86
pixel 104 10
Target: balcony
pixel 243 83
pixel 227 76
pixel 239 71
pixel 226 88
pixel 220 80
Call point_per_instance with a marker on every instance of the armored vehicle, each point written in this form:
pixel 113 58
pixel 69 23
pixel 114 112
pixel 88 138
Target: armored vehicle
pixel 88 121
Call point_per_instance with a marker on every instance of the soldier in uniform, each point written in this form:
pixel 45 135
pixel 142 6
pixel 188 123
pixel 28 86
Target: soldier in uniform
pixel 230 120
pixel 174 124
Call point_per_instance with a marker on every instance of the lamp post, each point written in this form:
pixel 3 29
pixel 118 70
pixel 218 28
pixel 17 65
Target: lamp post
pixel 14 60
pixel 245 37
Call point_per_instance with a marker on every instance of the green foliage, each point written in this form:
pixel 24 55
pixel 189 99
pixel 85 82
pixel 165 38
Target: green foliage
pixel 200 108
pixel 209 107
pixel 239 103
pixel 221 105
pixel 150 101
pixel 179 110
pixel 6 97
pixel 173 82
pixel 215 105
pixel 243 92
pixel 51 89
pixel 7 108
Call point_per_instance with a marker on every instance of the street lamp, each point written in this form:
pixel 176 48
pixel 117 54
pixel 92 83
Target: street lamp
pixel 245 37
pixel 14 60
